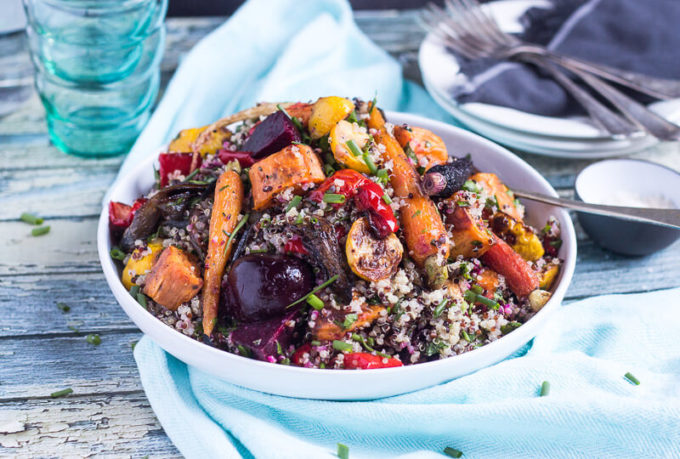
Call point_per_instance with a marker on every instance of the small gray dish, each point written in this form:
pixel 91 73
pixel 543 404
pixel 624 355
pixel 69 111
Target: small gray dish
pixel 601 182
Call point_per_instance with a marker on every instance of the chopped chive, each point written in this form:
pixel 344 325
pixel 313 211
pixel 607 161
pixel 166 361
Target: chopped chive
pixel 117 254
pixel 93 339
pixel 463 203
pixel 509 327
pixel 477 288
pixel 141 299
pixel 294 202
pixel 315 302
pixel 343 451
pixel 342 346
pixel 629 376
pixel 295 121
pixel 325 284
pixel 411 154
pixel 31 219
pixel 440 308
pixel 452 452
pixel 41 230
pixel 328 169
pixel 134 290
pixel 334 198
pixel 472 297
pixel 258 251
pixel 353 148
pixel 349 320
pixel 244 351
pixel 371 165
pixel 352 117
pixel 64 307
pixel 466 337
pixel 299 219
pixel 546 229
pixel 545 389
pixel 133 344
pixel 387 199
pixel 236 230
pixel 471 186
pixel 383 175
pixel 373 102
pixel 315 342
pixel 61 393
pixel 191 175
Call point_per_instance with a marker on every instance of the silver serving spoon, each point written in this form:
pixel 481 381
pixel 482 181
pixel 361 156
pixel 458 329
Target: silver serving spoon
pixel 661 217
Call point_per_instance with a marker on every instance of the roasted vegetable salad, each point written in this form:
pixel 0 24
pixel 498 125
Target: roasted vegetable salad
pixel 320 235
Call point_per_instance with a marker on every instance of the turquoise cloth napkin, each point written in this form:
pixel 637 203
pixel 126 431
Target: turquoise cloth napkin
pixel 584 350
pixel 300 50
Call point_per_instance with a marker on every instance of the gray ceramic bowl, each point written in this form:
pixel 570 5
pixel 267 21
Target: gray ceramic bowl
pixel 600 181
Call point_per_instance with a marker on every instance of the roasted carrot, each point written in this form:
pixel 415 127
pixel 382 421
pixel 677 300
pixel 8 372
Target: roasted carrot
pixel 301 111
pixel 294 166
pixel 428 147
pixel 488 280
pixel 470 236
pixel 423 227
pixel 495 187
pixel 223 220
pixel 518 274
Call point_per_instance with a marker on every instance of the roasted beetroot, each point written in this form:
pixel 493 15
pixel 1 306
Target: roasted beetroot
pixel 276 132
pixel 264 338
pixel 243 157
pixel 259 287
pixel 121 215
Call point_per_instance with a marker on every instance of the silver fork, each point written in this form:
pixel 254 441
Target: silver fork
pixel 473 33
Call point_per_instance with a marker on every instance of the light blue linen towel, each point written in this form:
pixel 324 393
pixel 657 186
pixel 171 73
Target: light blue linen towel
pixel 303 49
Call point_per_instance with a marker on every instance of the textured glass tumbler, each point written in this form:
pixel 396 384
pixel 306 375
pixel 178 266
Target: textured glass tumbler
pixel 97 69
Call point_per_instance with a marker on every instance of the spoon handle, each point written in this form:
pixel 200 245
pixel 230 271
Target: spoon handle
pixel 662 217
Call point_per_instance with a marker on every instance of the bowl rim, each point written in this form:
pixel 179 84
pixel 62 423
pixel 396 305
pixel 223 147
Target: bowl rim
pixel 578 181
pixel 524 333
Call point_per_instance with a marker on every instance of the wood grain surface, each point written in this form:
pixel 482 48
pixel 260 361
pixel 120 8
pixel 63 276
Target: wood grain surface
pixel 43 349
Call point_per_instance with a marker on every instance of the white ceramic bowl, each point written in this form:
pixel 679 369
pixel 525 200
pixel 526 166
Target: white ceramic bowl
pixel 347 384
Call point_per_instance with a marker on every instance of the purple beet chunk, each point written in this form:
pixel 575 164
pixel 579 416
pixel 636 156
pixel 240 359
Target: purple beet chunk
pixel 261 337
pixel 276 132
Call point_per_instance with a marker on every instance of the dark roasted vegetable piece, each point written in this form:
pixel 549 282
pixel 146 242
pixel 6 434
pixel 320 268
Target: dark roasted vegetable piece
pixel 276 132
pixel 325 253
pixel 147 216
pixel 121 215
pixel 264 338
pixel 259 287
pixel 443 180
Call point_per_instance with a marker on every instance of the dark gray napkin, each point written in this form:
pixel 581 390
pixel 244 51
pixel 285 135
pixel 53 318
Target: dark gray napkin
pixel 637 35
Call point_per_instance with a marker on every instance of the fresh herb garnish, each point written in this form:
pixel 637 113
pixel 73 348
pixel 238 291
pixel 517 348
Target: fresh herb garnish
pixel 334 198
pixel 453 452
pixel 117 254
pixel 463 203
pixel 353 148
pixel 315 302
pixel 343 451
pixel 93 339
pixel 383 175
pixel 472 297
pixel 294 202
pixel 342 346
pixel 369 162
pixel 63 307
pixel 61 393
pixel 629 376
pixel 141 299
pixel 373 104
pixel 31 219
pixel 244 351
pixel 41 230
pixel 510 326
pixel 466 337
pixel 471 186
pixel 236 230
pixel 387 199
pixel 325 284
pixel 440 308
pixel 191 175
pixel 349 320
pixel 545 389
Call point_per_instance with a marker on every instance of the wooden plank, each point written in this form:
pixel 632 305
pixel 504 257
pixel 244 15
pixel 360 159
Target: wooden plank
pixel 120 425
pixel 69 247
pixel 29 305
pixel 51 363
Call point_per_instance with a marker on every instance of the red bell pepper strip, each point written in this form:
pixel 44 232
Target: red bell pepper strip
pixel 368 196
pixel 294 245
pixel 121 215
pixel 366 361
pixel 519 276
pixel 299 352
pixel 171 163
pixel 243 157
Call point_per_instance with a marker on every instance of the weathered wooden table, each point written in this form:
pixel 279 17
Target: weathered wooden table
pixel 43 349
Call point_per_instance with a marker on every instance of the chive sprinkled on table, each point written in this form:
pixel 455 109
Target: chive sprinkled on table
pixel 41 230
pixel 93 339
pixel 61 393
pixel 629 376
pixel 452 452
pixel 545 389
pixel 63 307
pixel 343 451
pixel 31 219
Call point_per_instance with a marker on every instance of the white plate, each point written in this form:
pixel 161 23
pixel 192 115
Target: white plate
pixel 441 72
pixel 352 384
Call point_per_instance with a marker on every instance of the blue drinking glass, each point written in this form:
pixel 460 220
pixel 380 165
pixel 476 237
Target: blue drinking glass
pixel 97 69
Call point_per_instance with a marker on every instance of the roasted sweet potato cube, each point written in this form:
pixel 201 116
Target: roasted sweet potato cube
pixel 294 166
pixel 174 279
pixel 495 187
pixel 328 329
pixel 470 236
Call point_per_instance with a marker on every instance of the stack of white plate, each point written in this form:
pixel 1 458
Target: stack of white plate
pixel 574 137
